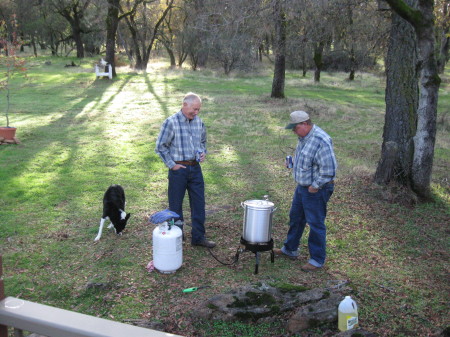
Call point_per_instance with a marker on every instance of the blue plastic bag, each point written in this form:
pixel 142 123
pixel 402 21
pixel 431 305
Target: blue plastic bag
pixel 161 216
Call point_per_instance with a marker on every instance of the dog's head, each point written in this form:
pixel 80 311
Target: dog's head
pixel 120 225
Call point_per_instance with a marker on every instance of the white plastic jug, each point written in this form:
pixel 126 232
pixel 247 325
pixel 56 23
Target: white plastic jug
pixel 347 314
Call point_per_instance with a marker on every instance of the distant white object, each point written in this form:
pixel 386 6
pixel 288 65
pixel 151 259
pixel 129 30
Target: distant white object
pixel 100 69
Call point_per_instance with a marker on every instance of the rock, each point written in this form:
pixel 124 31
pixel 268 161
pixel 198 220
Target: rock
pixel 98 285
pixel 315 314
pixel 265 302
pixel 255 302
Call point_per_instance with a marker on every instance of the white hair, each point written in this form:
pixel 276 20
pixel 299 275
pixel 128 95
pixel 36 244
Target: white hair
pixel 191 97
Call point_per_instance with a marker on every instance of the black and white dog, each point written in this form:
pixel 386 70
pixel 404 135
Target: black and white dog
pixel 114 210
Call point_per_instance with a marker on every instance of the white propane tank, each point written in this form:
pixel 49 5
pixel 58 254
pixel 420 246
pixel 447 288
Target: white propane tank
pixel 167 248
pixel 347 314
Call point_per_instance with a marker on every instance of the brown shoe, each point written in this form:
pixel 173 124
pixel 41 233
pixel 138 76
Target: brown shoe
pixel 279 252
pixel 205 243
pixel 309 267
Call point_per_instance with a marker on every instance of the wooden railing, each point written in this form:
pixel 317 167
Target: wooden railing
pixel 49 321
pixel 3 328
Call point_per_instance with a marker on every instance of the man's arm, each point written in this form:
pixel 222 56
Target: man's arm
pixel 327 166
pixel 163 143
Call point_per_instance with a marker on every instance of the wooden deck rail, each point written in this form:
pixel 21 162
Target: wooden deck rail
pixel 3 328
pixel 54 322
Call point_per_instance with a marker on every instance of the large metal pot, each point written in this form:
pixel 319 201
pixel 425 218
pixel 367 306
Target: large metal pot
pixel 257 220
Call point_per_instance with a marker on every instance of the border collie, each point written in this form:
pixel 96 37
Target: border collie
pixel 114 210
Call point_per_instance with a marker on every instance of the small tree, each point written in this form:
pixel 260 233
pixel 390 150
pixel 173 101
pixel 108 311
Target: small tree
pixel 10 63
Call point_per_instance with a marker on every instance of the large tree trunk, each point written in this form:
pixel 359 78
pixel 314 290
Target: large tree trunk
pixel 425 138
pixel 280 56
pixel 422 19
pixel 402 96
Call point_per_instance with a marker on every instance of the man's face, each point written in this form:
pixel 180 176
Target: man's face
pixel 191 109
pixel 301 129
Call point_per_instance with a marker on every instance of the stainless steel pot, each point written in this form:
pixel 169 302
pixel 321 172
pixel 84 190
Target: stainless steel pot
pixel 257 220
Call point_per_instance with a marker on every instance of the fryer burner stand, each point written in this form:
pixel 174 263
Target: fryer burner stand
pixel 256 248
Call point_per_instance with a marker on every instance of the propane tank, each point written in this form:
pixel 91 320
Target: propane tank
pixel 167 248
pixel 347 314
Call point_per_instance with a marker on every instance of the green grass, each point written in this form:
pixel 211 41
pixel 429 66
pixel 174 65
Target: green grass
pixel 79 135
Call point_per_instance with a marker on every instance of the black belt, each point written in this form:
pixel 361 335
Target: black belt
pixel 187 162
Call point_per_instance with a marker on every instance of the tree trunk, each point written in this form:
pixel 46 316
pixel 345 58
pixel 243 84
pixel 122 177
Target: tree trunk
pixel 304 65
pixel 112 22
pixel 422 19
pixel 444 52
pixel 351 77
pixel 78 42
pixel 402 95
pixel 182 55
pixel 33 44
pixel 173 62
pixel 143 56
pixel 445 42
pixel 194 61
pixel 318 60
pixel 352 57
pixel 386 167
pixel 425 138
pixel 280 56
pixel 138 62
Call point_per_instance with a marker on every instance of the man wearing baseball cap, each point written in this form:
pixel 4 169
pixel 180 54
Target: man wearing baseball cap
pixel 314 172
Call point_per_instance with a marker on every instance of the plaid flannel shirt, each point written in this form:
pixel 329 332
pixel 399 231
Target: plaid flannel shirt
pixel 314 162
pixel 179 139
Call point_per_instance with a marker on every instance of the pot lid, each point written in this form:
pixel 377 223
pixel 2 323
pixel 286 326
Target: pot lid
pixel 259 203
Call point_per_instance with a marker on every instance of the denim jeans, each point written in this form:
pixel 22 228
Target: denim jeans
pixel 309 208
pixel 190 179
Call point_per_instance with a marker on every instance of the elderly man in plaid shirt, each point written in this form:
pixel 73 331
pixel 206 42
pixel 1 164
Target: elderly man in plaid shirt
pixel 314 172
pixel 182 135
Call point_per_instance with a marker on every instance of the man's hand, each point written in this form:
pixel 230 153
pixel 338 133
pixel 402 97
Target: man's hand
pixel 177 167
pixel 202 157
pixel 312 189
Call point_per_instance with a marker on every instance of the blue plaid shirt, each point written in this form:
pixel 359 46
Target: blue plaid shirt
pixel 314 161
pixel 179 139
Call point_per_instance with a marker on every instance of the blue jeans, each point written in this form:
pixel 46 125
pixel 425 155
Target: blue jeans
pixel 309 208
pixel 190 179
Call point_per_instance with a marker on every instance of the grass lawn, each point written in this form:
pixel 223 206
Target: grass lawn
pixel 80 134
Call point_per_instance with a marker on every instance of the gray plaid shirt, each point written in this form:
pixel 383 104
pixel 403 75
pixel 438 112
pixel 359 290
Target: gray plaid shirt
pixel 314 162
pixel 179 139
